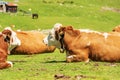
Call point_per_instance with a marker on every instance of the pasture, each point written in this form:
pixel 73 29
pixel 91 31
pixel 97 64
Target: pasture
pixel 100 15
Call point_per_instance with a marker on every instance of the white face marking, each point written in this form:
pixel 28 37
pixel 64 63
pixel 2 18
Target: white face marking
pixel 15 41
pixel 50 39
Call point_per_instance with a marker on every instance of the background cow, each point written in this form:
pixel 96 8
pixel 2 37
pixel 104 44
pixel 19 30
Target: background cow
pixel 84 45
pixel 31 43
pixel 116 29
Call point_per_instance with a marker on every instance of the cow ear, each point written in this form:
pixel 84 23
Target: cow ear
pixel 7 32
pixel 69 27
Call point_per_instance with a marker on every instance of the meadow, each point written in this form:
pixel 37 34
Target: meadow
pixel 100 15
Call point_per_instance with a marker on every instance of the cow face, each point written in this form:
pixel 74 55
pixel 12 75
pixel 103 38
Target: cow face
pixel 11 38
pixel 52 38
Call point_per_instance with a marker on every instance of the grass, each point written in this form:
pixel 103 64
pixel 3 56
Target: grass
pixel 45 66
pixel 80 14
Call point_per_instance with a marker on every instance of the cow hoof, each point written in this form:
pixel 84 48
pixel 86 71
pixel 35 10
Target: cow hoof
pixel 10 63
pixel 87 61
pixel 61 50
pixel 68 60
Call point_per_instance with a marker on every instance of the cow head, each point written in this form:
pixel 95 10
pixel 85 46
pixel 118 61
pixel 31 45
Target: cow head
pixel 52 38
pixel 11 38
pixel 60 36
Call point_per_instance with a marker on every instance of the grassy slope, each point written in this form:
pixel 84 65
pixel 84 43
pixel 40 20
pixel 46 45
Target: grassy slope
pixel 80 14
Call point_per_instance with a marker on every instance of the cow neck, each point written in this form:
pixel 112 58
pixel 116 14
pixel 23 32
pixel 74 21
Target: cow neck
pixel 69 36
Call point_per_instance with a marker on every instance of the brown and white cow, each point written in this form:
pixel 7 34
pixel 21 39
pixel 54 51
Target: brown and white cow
pixel 82 45
pixel 7 40
pixel 31 43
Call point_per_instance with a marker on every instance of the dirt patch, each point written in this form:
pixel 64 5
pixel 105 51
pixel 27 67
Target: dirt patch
pixel 76 77
pixel 61 76
pixel 106 8
pixel 79 77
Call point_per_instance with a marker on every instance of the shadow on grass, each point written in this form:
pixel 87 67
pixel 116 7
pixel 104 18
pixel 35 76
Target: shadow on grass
pixel 54 61
pixel 18 61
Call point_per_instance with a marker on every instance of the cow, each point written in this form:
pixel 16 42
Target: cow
pixel 85 45
pixel 116 29
pixel 34 16
pixel 8 40
pixel 31 43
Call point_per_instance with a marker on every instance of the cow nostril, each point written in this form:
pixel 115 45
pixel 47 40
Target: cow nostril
pixel 43 41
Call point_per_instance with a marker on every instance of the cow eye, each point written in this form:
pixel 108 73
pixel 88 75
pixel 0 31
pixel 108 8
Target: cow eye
pixel 50 37
pixel 7 39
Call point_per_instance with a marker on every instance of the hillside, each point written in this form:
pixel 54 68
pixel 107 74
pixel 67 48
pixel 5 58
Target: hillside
pixel 101 15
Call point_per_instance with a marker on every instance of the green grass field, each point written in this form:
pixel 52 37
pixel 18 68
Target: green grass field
pixel 100 15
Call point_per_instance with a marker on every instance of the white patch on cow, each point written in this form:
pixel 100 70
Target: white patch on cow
pixel 71 56
pixel 88 44
pixel 57 26
pixel 19 30
pixel 105 35
pixel 15 41
pixel 87 61
pixel 89 31
pixel 11 64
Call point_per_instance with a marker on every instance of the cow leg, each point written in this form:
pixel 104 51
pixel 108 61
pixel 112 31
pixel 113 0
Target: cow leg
pixel 80 56
pixel 3 60
pixel 5 64
pixel 76 58
pixel 71 58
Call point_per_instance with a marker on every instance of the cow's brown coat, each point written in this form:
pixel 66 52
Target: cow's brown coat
pixel 82 46
pixel 31 43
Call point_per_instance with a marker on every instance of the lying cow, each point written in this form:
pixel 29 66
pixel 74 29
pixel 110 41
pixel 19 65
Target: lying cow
pixel 82 45
pixel 8 40
pixel 31 43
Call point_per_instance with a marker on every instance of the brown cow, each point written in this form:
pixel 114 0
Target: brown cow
pixel 82 45
pixel 87 45
pixel 7 40
pixel 31 43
